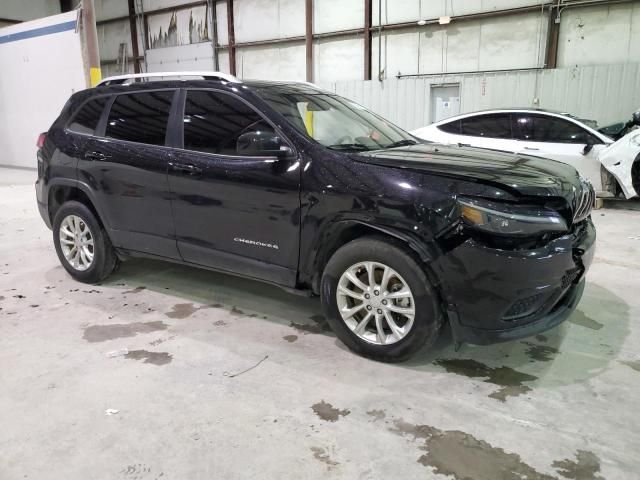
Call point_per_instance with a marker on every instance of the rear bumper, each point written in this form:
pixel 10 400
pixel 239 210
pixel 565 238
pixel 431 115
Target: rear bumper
pixel 499 295
pixel 42 206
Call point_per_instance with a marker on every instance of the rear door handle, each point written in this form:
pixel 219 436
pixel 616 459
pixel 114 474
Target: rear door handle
pixel 96 156
pixel 185 168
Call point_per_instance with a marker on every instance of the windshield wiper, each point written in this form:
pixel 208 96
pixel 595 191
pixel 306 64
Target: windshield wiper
pixel 401 143
pixel 349 146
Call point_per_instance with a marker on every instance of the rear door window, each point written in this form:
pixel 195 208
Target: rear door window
pixel 543 128
pixel 140 117
pixel 495 125
pixel 87 118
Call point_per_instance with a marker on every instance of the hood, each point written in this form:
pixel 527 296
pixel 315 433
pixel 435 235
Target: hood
pixel 521 175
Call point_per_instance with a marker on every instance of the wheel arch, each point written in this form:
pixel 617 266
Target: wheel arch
pixel 342 232
pixel 64 190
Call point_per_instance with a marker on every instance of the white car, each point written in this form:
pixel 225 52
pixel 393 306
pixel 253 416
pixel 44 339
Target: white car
pixel 544 133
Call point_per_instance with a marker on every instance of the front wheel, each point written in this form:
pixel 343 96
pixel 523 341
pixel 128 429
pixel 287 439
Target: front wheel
pixel 378 300
pixel 82 244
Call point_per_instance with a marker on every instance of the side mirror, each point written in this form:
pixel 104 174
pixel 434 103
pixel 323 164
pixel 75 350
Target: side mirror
pixel 636 118
pixel 587 148
pixel 261 143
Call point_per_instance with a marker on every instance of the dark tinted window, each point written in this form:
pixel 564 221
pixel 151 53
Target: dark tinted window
pixel 86 120
pixel 451 127
pixel 213 122
pixel 140 117
pixel 541 128
pixel 496 125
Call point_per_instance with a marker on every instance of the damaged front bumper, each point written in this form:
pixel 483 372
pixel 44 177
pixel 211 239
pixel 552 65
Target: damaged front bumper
pixel 497 295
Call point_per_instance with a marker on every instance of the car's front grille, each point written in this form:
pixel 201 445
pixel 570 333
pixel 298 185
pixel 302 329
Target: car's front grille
pixel 584 202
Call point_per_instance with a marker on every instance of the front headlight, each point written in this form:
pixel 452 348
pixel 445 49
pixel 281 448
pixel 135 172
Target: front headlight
pixel 509 219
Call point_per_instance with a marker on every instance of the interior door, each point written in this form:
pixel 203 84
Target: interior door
pixel 235 208
pixel 562 140
pixel 445 102
pixel 125 165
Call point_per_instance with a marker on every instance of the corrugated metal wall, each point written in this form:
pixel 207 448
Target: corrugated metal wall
pixel 605 93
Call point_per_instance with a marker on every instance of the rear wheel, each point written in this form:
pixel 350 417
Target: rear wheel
pixel 378 300
pixel 83 248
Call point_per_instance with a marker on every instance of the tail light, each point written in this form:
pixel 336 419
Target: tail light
pixel 41 138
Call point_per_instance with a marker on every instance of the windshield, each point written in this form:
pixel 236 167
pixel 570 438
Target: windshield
pixel 336 122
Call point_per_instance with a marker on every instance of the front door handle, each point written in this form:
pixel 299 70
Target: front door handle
pixel 96 156
pixel 185 168
pixel 532 148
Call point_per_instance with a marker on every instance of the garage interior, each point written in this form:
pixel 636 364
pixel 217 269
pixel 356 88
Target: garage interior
pixel 166 371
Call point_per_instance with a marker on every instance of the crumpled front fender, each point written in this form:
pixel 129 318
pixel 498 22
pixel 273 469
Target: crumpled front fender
pixel 618 159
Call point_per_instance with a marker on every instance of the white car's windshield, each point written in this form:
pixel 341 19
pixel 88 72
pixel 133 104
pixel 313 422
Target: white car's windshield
pixel 336 122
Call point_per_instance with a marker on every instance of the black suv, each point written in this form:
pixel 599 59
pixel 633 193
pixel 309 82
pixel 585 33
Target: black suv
pixel 296 186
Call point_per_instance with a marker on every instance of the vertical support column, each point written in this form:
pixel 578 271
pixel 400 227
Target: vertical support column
pixel 133 26
pixel 309 38
pixel 213 18
pixel 367 39
pixel 232 38
pixel 91 42
pixel 553 36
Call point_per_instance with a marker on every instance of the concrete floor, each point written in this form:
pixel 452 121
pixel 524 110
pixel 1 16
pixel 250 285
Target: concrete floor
pixel 560 405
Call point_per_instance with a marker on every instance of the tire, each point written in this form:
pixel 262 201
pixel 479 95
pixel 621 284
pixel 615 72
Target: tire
pixel 380 253
pixel 104 259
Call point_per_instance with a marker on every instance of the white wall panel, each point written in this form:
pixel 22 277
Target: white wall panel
pixel 194 57
pixel 150 5
pixel 36 83
pixel 516 41
pixel 597 35
pixel 398 11
pixel 512 42
pixel 341 59
pixel 399 53
pixel 337 15
pixel 268 19
pixel 223 61
pixel 272 62
pixel 221 17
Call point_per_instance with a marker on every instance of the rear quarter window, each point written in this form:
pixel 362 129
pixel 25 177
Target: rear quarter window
pixel 451 127
pixel 88 116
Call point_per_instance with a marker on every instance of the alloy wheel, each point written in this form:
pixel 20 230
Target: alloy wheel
pixel 375 302
pixel 76 242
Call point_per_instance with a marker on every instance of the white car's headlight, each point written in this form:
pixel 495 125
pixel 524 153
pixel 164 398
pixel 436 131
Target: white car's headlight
pixel 635 140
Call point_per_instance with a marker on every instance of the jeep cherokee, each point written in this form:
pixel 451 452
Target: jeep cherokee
pixel 289 184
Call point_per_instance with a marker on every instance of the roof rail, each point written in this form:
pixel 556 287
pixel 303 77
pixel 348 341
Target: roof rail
pixel 132 77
